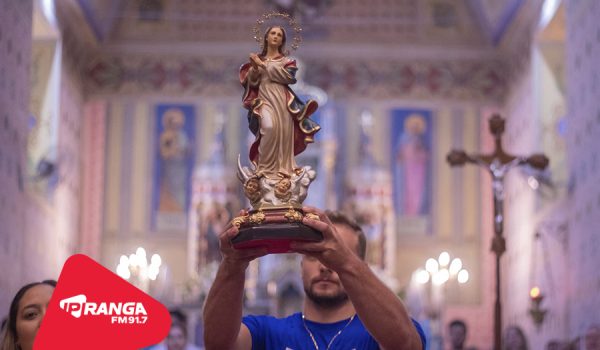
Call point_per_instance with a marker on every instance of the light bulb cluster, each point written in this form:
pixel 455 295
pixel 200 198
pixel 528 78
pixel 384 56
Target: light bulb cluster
pixel 441 270
pixel 137 265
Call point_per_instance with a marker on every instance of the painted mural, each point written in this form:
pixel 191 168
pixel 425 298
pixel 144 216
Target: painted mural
pixel 174 157
pixel 411 166
pixel 42 139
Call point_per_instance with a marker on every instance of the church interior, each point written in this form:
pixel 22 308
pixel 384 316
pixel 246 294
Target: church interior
pixel 122 125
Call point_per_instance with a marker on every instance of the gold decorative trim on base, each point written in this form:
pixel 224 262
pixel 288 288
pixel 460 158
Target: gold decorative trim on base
pixel 293 215
pixel 278 207
pixel 239 221
pixel 312 216
pixel 256 218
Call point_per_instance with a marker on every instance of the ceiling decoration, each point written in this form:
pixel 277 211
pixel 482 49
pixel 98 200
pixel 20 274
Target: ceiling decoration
pixel 427 22
pixel 302 10
pixel 101 15
pixel 462 80
pixel 494 16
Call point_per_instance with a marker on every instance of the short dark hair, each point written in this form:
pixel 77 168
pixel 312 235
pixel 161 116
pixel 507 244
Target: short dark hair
pixel 178 315
pixel 339 218
pixel 460 323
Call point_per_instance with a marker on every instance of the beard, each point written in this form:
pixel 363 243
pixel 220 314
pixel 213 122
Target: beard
pixel 327 301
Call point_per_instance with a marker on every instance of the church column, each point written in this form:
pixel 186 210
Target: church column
pixel 94 133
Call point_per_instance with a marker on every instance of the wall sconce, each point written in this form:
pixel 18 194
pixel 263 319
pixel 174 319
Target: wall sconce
pixel 535 311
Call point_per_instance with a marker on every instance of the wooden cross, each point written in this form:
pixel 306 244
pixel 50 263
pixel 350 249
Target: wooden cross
pixel 498 164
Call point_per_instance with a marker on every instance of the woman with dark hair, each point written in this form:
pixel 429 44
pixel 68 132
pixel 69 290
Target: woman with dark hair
pixel 514 339
pixel 177 338
pixel 278 119
pixel 25 316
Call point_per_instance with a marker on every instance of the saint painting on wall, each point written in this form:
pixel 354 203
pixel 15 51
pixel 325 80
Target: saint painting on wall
pixel 411 167
pixel 174 162
pixel 42 150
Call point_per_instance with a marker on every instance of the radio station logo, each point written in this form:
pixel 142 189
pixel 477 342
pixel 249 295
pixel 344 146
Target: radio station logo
pixel 93 308
pixel 119 313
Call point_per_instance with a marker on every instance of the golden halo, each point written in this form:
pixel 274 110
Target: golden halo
pixel 258 32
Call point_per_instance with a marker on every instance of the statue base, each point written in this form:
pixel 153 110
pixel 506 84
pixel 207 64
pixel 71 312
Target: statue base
pixel 274 229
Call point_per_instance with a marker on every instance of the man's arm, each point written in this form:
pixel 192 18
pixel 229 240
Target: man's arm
pixel 380 310
pixel 223 308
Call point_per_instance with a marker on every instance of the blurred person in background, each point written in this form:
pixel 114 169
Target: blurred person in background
pixel 457 332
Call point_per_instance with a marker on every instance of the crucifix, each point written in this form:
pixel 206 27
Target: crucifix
pixel 498 164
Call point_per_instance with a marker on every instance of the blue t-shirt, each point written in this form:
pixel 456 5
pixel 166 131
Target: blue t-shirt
pixel 270 333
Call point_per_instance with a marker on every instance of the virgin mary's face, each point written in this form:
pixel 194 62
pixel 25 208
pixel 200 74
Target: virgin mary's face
pixel 275 37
